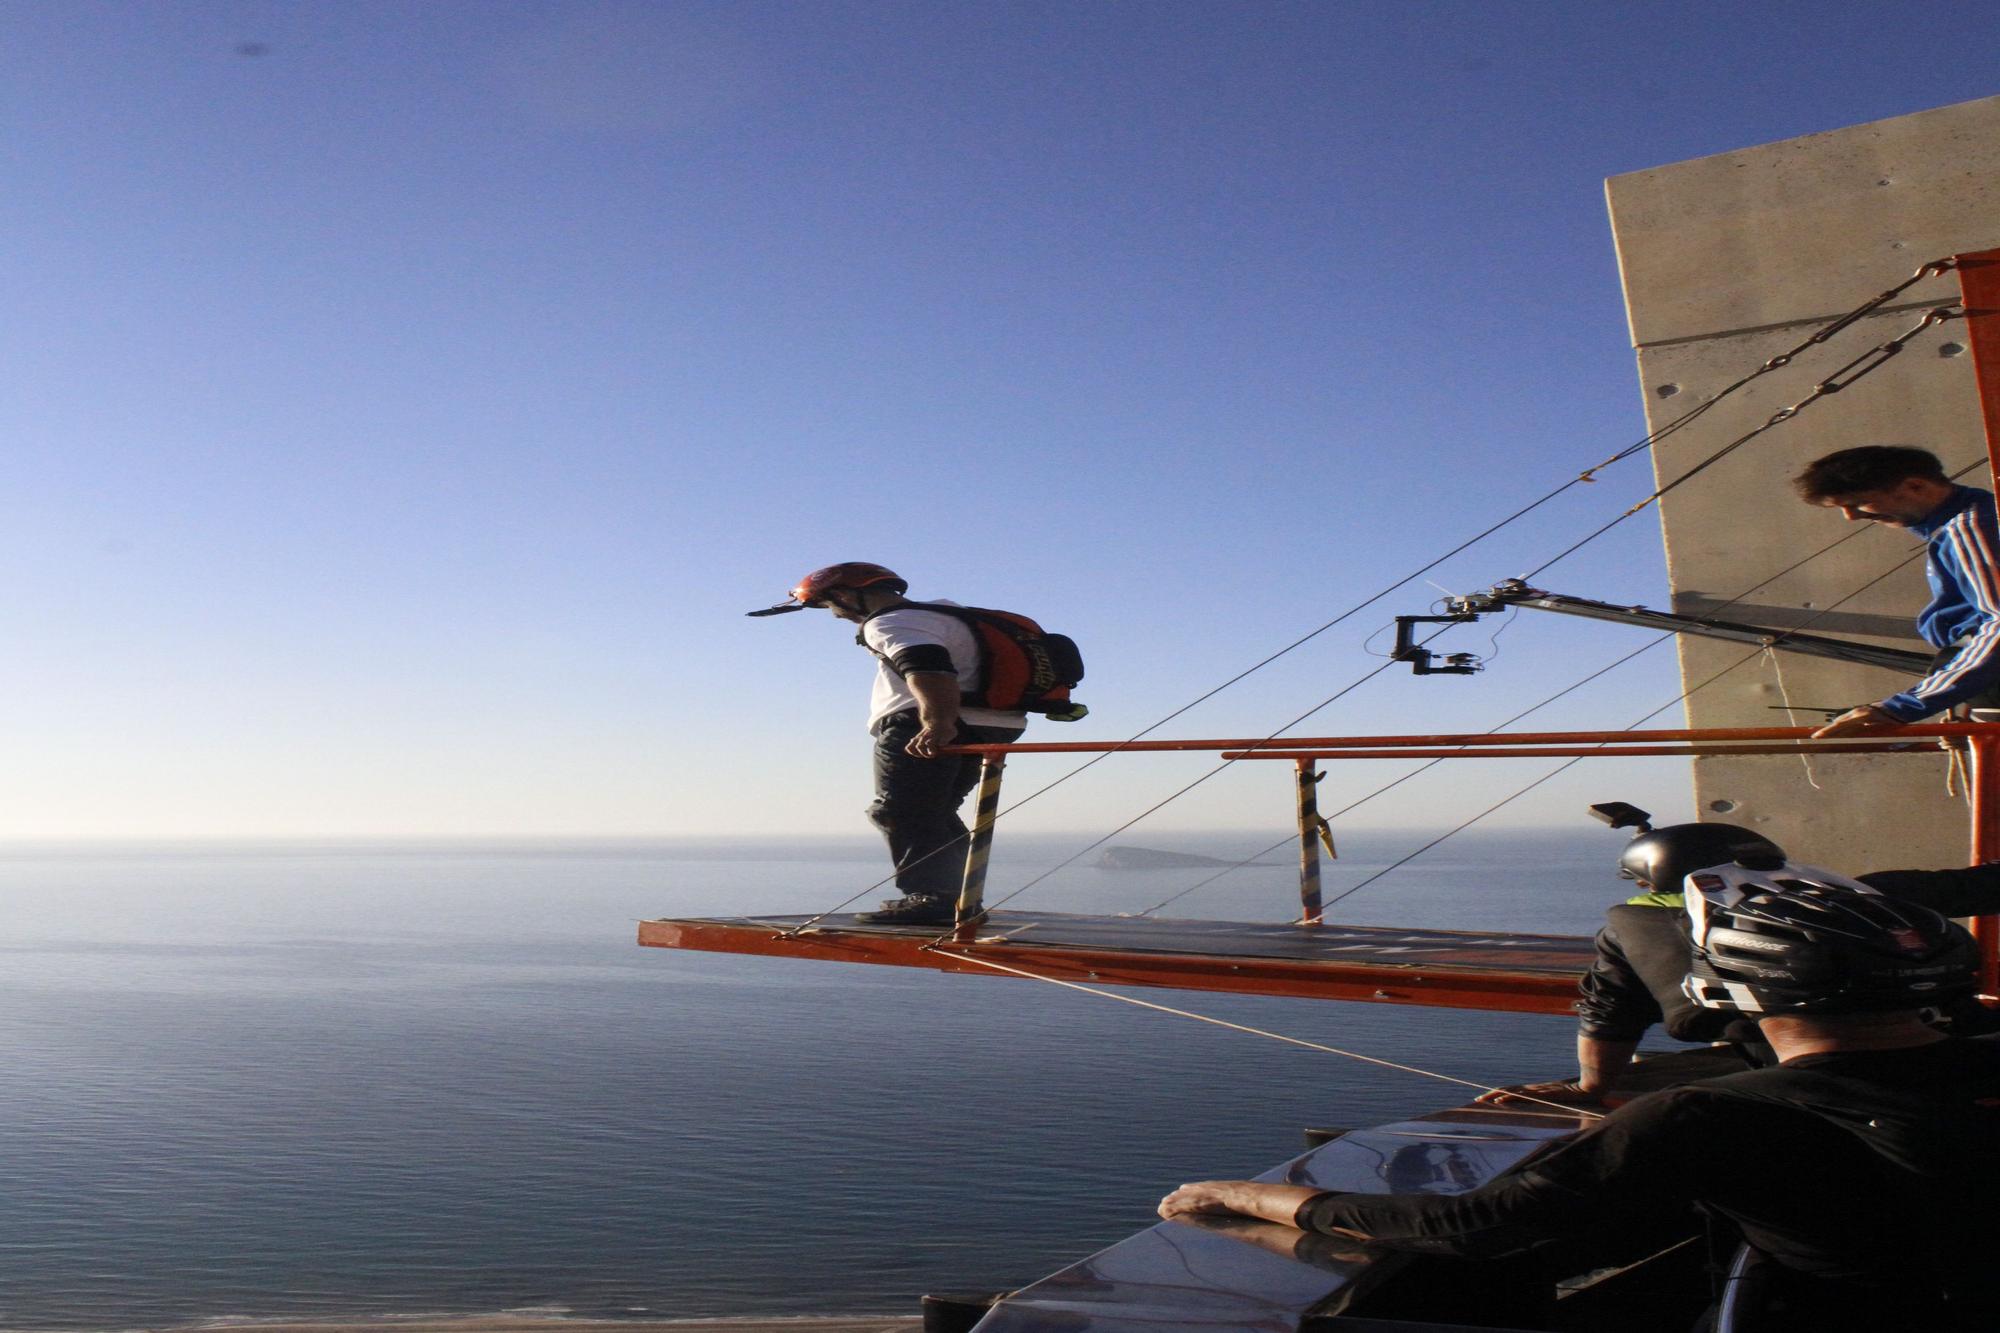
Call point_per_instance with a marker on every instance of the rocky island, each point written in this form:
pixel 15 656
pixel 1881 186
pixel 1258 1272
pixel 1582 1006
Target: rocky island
pixel 1150 858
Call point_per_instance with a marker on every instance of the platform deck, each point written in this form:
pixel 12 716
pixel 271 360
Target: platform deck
pixel 1383 964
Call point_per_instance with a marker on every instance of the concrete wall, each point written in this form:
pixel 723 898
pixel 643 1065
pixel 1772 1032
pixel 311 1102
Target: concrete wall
pixel 1727 261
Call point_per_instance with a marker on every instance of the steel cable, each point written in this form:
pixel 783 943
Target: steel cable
pixel 1821 335
pixel 1632 726
pixel 965 955
pixel 1873 359
pixel 1573 686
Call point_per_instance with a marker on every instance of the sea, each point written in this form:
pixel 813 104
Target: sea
pixel 289 1080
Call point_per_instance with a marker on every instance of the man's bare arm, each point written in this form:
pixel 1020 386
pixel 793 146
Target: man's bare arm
pixel 1242 1198
pixel 1600 1064
pixel 937 709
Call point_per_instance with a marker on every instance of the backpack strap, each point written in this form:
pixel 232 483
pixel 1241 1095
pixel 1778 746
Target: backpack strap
pixel 925 662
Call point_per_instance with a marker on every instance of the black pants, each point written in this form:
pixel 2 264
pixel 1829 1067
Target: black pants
pixel 917 800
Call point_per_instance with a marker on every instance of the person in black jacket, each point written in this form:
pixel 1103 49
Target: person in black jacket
pixel 1642 954
pixel 1642 951
pixel 1864 1163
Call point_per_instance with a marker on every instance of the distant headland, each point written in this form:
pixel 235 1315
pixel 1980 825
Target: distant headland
pixel 1151 858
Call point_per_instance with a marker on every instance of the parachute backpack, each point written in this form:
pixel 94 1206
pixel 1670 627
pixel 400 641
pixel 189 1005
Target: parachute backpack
pixel 1023 667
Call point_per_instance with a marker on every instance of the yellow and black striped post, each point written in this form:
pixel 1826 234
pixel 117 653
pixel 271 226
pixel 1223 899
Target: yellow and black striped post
pixel 972 891
pixel 1311 827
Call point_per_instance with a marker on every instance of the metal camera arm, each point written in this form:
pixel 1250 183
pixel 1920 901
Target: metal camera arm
pixel 1513 592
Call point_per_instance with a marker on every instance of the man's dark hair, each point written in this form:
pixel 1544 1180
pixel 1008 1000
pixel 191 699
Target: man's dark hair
pixel 1872 467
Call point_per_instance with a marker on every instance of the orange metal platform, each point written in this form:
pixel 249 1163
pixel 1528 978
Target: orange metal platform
pixel 1382 964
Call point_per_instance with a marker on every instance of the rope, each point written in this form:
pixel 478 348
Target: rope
pixel 1865 364
pixel 1258 1032
pixel 1956 776
pixel 1778 672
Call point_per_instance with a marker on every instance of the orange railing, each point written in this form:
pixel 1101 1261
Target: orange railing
pixel 1980 742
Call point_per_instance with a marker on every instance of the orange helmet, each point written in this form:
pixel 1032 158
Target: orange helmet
pixel 813 588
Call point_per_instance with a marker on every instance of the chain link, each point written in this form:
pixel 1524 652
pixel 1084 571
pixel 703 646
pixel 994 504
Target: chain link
pixel 1846 375
pixel 1871 360
pixel 1824 334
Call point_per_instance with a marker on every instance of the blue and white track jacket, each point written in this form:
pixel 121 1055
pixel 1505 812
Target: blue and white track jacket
pixel 1963 567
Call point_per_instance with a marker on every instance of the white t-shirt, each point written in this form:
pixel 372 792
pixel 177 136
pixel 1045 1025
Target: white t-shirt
pixel 909 627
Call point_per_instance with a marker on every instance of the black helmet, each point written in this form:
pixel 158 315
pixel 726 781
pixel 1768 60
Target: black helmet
pixel 1664 857
pixel 1802 940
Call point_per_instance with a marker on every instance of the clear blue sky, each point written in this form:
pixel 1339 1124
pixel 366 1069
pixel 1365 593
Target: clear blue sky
pixel 405 400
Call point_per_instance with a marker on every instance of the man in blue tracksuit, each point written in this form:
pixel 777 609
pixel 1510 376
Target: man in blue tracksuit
pixel 1907 488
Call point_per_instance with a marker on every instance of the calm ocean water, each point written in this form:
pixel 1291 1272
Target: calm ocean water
pixel 360 1080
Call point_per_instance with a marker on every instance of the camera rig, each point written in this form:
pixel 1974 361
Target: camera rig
pixel 1513 592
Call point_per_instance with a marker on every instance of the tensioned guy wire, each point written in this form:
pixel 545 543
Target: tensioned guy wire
pixel 1778 637
pixel 1167 800
pixel 965 956
pixel 1867 362
pixel 1426 767
pixel 1821 335
pixel 1566 765
pixel 964 953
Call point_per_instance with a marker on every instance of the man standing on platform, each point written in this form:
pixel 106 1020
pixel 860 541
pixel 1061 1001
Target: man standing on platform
pixel 1907 488
pixel 927 662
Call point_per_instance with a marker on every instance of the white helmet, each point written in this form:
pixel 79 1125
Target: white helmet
pixel 1800 939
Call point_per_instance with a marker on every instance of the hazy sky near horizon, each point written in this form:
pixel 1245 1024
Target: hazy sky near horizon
pixel 406 400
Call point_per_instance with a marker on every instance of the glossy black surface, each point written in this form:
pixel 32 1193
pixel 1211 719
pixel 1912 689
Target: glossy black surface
pixel 1226 1273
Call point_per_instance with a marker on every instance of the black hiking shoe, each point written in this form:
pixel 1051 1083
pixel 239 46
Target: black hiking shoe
pixel 915 910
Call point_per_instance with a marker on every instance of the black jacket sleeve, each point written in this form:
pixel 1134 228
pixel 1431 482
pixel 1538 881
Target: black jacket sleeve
pixel 1635 981
pixel 1511 1215
pixel 1965 891
pixel 1628 1173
